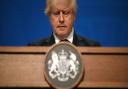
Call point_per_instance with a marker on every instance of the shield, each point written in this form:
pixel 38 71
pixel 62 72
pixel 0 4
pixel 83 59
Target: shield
pixel 63 66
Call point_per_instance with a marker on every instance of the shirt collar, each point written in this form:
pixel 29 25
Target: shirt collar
pixel 69 38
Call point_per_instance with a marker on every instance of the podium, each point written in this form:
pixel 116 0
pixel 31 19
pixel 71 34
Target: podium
pixel 104 67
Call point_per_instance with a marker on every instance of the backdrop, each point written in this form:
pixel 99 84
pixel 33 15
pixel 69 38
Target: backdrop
pixel 23 21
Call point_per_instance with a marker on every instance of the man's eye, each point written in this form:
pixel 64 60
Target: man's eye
pixel 56 13
pixel 66 12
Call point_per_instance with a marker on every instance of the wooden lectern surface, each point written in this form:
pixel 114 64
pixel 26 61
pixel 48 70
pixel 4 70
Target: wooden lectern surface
pixel 104 67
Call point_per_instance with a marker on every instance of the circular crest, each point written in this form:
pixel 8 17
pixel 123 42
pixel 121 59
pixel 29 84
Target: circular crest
pixel 63 66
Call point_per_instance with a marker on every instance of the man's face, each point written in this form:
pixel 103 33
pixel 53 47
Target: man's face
pixel 61 18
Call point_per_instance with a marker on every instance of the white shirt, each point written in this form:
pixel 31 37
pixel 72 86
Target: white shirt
pixel 69 38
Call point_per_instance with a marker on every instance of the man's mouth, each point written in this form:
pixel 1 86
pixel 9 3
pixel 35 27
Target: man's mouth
pixel 61 26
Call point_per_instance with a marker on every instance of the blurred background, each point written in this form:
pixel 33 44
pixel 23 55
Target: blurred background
pixel 23 21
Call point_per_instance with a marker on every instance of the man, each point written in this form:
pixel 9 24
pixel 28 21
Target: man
pixel 62 14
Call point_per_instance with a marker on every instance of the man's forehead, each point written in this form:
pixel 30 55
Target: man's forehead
pixel 61 1
pixel 59 9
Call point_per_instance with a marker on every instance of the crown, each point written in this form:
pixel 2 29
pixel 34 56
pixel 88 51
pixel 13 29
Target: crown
pixel 63 54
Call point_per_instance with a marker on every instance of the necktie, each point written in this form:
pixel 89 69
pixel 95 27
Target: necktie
pixel 65 40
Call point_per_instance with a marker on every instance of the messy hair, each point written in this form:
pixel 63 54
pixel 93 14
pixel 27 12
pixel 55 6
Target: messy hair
pixel 49 3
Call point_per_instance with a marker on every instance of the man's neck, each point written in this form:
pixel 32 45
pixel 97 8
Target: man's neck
pixel 69 37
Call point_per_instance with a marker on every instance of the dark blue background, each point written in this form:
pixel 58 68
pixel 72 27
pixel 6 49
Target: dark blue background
pixel 22 21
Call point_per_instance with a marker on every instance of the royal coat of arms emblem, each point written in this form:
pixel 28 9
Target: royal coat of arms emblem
pixel 63 66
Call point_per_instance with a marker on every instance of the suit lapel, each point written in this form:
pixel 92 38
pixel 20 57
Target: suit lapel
pixel 51 40
pixel 75 39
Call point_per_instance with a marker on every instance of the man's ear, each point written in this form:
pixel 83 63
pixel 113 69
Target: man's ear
pixel 74 17
pixel 49 16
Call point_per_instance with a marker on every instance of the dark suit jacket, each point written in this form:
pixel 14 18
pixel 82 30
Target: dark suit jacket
pixel 77 41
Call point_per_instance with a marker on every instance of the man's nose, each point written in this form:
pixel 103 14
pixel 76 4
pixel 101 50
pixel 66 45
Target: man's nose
pixel 61 18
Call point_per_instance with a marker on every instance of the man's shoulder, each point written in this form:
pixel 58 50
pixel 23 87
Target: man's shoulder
pixel 82 41
pixel 77 41
pixel 43 42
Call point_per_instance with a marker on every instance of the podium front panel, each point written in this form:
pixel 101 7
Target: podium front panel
pixel 23 67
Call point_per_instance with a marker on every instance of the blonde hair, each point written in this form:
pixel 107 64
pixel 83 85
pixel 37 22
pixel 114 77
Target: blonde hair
pixel 49 3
